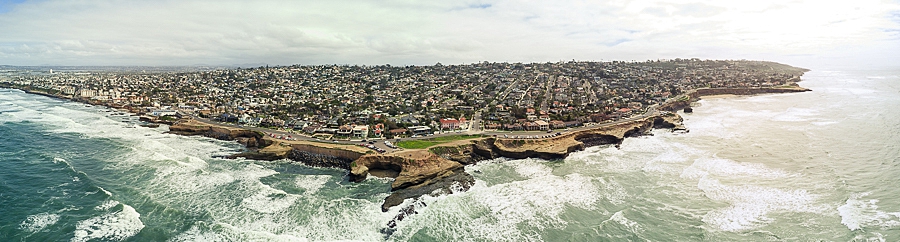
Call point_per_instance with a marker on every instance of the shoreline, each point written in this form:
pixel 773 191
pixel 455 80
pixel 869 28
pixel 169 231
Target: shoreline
pixel 719 96
pixel 404 166
pixel 435 170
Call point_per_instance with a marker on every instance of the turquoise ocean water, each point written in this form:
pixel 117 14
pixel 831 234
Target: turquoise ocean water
pixel 820 165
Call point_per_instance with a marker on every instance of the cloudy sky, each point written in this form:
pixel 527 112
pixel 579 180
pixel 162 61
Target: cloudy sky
pixel 227 32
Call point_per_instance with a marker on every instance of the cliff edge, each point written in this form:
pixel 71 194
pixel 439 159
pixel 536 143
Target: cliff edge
pixel 415 173
pixel 249 138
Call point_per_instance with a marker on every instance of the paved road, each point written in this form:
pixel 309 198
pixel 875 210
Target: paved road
pixel 651 111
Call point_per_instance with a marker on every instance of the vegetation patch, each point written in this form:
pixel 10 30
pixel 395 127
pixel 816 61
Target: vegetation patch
pixel 425 143
pixel 445 150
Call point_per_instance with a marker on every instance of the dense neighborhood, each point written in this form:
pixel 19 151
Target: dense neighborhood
pixel 384 101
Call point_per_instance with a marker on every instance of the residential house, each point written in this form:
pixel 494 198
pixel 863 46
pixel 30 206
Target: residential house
pixel 542 125
pixel 556 124
pixel 360 131
pixel 420 130
pixel 449 124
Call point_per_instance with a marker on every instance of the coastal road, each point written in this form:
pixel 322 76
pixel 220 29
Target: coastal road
pixel 296 136
pixel 651 111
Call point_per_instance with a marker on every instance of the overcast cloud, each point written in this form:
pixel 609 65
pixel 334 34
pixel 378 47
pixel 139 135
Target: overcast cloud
pixel 225 32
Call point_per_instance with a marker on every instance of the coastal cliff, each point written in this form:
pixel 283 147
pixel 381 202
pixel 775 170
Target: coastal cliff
pixel 557 147
pixel 415 173
pixel 440 169
pixel 249 138
pixel 695 95
pixel 748 91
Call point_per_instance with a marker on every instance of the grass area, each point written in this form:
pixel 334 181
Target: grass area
pixel 425 143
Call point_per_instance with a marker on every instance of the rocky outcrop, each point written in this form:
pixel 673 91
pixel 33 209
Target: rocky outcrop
pixel 415 173
pixel 275 151
pixel 748 91
pixel 464 154
pixel 249 138
pixel 317 156
pixel 557 147
pixel 456 180
pixel 692 96
pixel 669 121
pixel 155 120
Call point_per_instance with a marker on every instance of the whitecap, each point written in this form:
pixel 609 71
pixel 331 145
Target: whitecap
pixel 226 232
pixel 795 115
pixel 311 183
pixel 500 212
pixel 118 225
pixel 749 205
pixel 620 218
pixel 823 123
pixel 857 213
pixel 531 168
pixel 37 222
pixel 107 205
pixel 105 191
pixel 703 167
pixel 269 200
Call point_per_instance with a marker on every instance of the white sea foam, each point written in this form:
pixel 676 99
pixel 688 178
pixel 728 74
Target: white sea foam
pixel 185 177
pixel 755 99
pixel 531 168
pixel 824 123
pixel 269 214
pixel 37 222
pixel 269 200
pixel 858 213
pixel 501 211
pixel 226 232
pixel 654 154
pixel 105 191
pixel 620 218
pixel 749 205
pixel 796 115
pixel 703 167
pixel 118 225
pixel 614 192
pixel 311 183
pixel 713 127
pixel 107 205
pixel 191 182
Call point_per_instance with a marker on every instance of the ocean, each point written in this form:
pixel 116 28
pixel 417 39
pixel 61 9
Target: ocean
pixel 820 165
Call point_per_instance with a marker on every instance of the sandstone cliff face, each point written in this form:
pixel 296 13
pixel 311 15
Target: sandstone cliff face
pixel 415 173
pixel 464 154
pixel 249 138
pixel 275 151
pixel 748 91
pixel 670 121
pixel 556 147
pixel 699 93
